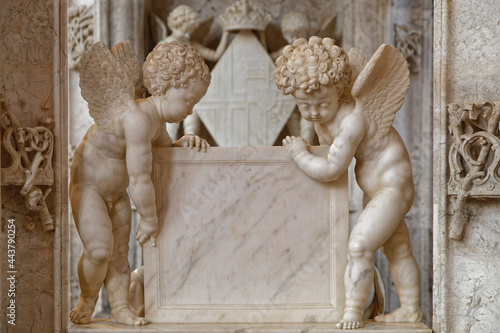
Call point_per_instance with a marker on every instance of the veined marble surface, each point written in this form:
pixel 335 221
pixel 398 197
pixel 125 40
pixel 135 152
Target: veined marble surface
pixel 246 237
pixel 370 327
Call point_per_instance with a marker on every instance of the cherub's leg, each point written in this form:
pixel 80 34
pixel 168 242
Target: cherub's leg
pixel 406 277
pixel 375 225
pixel 117 280
pixel 94 227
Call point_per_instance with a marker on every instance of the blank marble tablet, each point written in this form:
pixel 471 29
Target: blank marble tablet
pixel 245 236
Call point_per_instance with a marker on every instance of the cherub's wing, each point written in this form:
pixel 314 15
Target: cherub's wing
pixel 381 87
pixel 125 54
pixel 158 28
pixel 105 85
pixel 357 62
pixel 202 30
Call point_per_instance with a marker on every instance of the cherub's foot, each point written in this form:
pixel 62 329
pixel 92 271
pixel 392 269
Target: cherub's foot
pixel 351 320
pixel 82 313
pixel 402 315
pixel 126 316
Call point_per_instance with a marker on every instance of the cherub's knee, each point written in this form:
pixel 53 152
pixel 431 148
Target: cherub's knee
pixel 359 250
pixel 100 256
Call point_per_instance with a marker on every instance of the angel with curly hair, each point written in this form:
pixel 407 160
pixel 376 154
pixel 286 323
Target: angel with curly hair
pixel 353 107
pixel 116 154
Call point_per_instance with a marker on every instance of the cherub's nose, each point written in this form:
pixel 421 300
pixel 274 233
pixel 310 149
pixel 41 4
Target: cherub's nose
pixel 314 111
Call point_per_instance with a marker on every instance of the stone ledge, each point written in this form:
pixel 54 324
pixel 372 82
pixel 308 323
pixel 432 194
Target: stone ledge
pixel 104 325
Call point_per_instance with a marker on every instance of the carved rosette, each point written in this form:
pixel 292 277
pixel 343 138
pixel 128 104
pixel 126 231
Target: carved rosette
pixel 474 158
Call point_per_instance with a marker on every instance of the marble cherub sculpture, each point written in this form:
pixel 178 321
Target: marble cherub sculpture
pixel 295 25
pixel 184 23
pixel 357 122
pixel 116 154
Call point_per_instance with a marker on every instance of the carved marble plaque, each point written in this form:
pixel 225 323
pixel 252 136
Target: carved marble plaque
pixel 245 236
pixel 242 106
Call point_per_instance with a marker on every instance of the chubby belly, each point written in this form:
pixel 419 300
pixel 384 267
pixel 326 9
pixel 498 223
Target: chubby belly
pixel 93 168
pixel 385 167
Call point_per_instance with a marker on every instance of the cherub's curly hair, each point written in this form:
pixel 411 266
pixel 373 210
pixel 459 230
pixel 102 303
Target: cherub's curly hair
pixel 306 65
pixel 173 64
pixel 181 17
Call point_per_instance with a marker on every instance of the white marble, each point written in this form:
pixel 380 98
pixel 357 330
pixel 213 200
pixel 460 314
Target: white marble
pixel 370 327
pixel 273 252
pixel 242 106
pixel 115 157
pixel 356 122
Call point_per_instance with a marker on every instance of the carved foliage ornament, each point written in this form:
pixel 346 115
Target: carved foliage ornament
pixel 80 33
pixel 408 41
pixel 244 14
pixel 474 158
pixel 28 160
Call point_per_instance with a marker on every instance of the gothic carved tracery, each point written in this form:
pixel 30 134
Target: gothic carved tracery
pixel 474 158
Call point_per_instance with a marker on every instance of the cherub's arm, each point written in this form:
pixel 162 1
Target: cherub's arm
pixel 164 139
pixel 139 160
pixel 339 157
pixel 210 54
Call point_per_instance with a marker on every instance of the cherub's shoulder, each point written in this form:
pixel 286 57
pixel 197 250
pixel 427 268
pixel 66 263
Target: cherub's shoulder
pixel 136 121
pixel 350 113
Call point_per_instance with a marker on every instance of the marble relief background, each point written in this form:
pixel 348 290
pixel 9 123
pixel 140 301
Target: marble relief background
pixel 467 69
pixel 364 24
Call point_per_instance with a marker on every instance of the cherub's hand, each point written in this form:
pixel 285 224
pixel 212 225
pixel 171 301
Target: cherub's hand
pixel 192 141
pixel 294 145
pixel 145 231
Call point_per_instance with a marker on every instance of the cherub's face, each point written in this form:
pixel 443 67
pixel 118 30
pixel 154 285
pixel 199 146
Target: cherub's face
pixel 179 102
pixel 319 106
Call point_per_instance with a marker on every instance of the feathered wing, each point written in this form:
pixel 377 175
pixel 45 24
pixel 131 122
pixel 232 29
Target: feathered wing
pixel 381 87
pixel 105 85
pixel 125 54
pixel 356 61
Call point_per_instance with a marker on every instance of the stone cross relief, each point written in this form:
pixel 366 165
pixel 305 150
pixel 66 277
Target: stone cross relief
pixel 474 158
